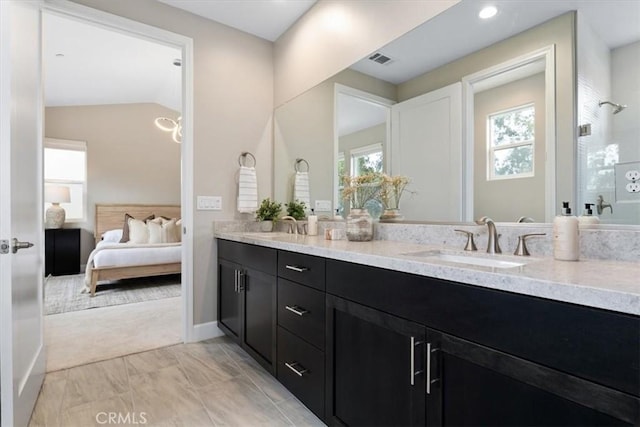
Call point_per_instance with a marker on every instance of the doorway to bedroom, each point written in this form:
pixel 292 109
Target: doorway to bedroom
pixel 112 160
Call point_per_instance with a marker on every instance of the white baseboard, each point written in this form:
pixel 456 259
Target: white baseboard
pixel 205 331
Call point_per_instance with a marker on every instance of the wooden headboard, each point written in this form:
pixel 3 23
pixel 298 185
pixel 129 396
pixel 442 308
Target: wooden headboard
pixel 111 217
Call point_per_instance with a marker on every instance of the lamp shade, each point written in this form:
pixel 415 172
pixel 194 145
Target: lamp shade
pixel 57 194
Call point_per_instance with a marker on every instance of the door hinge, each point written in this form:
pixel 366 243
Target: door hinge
pixel 4 246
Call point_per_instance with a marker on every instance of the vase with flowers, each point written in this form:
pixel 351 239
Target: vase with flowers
pixel 358 190
pixel 391 189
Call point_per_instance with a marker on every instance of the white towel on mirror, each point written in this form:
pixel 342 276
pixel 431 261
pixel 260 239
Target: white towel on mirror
pixel 247 190
pixel 301 188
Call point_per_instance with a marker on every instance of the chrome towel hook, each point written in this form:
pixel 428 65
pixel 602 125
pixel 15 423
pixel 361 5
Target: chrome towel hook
pixel 242 159
pixel 299 162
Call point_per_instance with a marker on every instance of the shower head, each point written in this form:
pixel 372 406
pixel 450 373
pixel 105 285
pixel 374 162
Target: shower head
pixel 616 107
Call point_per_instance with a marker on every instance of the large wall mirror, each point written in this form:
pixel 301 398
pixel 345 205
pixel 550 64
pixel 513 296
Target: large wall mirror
pixel 482 116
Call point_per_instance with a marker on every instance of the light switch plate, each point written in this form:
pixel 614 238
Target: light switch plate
pixel 323 206
pixel 209 203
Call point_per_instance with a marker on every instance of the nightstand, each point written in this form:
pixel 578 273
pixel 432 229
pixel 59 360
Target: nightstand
pixel 62 251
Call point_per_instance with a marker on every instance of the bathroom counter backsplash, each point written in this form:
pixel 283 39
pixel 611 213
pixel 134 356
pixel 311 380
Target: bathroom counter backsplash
pixel 606 284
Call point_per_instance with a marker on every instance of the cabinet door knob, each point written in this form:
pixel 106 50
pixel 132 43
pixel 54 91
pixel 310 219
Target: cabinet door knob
pixel 293 367
pixel 296 268
pixel 297 310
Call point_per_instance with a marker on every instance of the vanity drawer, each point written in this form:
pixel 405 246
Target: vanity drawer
pixel 301 310
pixel 307 384
pixel 301 268
pixel 250 256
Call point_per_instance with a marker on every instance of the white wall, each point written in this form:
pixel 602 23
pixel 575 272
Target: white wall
pixel 233 106
pixel 129 160
pixel 334 34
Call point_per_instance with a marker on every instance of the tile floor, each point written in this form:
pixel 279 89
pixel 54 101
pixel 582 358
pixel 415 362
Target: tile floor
pixel 81 337
pixel 210 383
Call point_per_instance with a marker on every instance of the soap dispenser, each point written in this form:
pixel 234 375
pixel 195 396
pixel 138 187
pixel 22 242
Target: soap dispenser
pixel 587 217
pixel 566 235
pixel 313 224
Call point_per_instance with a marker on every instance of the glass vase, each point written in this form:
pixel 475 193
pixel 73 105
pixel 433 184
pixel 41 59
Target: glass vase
pixel 391 215
pixel 359 226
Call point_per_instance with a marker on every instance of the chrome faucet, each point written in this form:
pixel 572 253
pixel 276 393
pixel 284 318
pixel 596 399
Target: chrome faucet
pixel 525 219
pixel 293 226
pixel 493 246
pixel 601 205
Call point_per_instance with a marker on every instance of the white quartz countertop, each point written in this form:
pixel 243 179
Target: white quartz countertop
pixel 610 285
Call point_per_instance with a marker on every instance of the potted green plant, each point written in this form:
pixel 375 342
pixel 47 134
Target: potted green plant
pixel 296 209
pixel 268 213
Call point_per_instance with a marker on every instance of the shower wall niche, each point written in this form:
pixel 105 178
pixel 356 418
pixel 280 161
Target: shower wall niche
pixel 608 73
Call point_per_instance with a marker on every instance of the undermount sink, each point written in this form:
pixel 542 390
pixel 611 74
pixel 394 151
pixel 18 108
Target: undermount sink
pixel 468 259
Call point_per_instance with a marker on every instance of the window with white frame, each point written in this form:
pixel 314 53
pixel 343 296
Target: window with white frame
pixel 511 143
pixel 65 164
pixel 366 159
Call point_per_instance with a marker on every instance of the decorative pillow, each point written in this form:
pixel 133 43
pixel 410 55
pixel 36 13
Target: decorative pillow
pixel 138 231
pixel 112 236
pixel 156 232
pixel 125 228
pixel 170 232
pixel 179 230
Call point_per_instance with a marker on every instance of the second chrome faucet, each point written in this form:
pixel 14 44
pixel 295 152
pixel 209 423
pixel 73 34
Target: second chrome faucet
pixel 493 246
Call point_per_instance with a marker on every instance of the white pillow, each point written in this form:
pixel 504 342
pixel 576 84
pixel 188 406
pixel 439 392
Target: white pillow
pixel 155 230
pixel 112 236
pixel 138 231
pixel 179 230
pixel 170 231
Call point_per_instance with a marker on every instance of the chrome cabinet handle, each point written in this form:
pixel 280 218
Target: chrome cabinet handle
pixel 428 368
pixel 298 372
pixel 429 380
pixel 240 281
pixel 296 268
pixel 296 310
pixel 235 281
pixel 412 362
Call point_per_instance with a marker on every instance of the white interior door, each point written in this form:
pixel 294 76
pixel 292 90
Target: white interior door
pixel 426 146
pixel 22 361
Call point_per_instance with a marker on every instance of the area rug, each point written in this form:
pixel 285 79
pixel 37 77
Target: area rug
pixel 62 293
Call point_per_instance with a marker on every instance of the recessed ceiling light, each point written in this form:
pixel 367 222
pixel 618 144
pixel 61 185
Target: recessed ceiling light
pixel 488 12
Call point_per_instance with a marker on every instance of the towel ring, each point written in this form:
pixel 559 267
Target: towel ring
pixel 243 157
pixel 297 165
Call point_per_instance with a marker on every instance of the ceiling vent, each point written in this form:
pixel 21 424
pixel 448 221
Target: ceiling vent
pixel 380 58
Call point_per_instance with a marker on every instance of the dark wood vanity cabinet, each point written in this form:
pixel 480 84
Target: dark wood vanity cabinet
pixel 361 345
pixel 375 367
pixel 496 358
pixel 247 298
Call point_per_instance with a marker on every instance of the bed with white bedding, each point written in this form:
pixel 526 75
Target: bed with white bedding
pixel 112 260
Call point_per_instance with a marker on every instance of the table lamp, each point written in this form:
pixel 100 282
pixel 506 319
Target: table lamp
pixel 55 215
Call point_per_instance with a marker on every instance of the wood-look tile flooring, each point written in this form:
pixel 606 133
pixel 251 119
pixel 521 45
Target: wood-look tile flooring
pixel 81 337
pixel 210 383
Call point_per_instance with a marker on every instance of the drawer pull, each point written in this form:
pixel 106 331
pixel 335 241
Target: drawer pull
pixel 296 310
pixel 296 268
pixel 298 372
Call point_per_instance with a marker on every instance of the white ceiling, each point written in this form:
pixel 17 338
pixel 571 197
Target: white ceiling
pixel 267 19
pixel 101 66
pixel 458 31
pixel 357 114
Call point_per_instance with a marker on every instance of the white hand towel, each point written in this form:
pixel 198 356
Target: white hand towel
pixel 247 190
pixel 301 188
